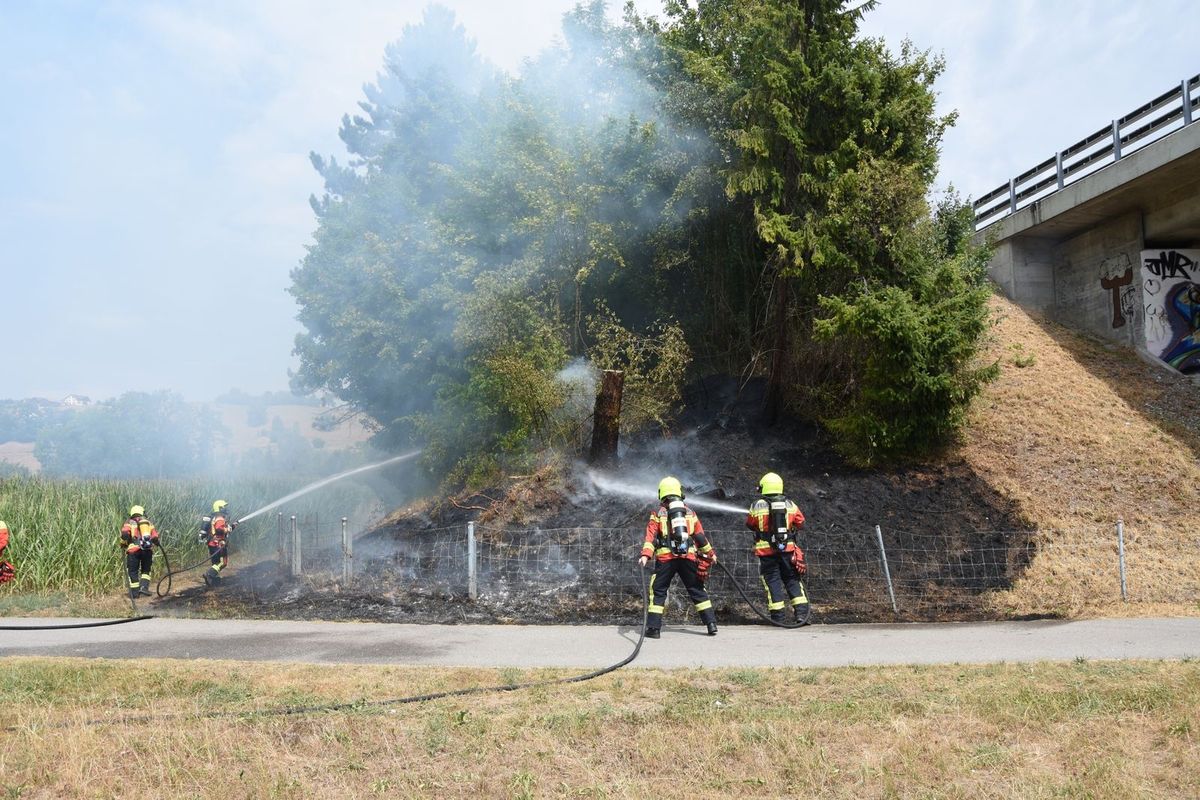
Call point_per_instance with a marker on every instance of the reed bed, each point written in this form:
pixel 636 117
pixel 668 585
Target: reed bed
pixel 64 533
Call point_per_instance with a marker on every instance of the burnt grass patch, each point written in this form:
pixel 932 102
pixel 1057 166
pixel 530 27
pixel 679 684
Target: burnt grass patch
pixel 554 549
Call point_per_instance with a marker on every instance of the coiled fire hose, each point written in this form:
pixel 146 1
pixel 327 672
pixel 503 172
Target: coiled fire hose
pixel 754 606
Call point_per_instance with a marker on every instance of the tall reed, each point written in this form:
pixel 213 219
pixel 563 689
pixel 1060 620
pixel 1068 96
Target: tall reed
pixel 64 534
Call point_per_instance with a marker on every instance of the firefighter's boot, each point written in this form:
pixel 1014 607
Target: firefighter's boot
pixel 133 593
pixel 213 576
pixel 653 633
pixel 144 587
pixel 710 621
pixel 777 616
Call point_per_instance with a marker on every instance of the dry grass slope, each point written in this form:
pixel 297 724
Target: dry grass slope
pixel 1080 433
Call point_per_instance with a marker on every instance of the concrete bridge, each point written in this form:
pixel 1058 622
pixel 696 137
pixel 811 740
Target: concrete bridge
pixel 1104 236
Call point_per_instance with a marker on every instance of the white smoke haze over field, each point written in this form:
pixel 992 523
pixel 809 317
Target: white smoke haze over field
pixel 157 171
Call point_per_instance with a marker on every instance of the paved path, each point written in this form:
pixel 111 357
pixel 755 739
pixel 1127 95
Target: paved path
pixel 597 646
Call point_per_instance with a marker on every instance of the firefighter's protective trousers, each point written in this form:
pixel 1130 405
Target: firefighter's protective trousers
pixel 664 572
pixel 781 582
pixel 137 564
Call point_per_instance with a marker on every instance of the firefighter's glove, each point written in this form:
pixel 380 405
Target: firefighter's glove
pixel 798 562
pixel 7 572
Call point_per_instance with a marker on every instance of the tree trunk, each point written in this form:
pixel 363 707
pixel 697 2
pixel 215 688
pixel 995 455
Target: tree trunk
pixel 773 405
pixel 606 421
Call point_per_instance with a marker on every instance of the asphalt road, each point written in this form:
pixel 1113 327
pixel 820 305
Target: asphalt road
pixel 598 646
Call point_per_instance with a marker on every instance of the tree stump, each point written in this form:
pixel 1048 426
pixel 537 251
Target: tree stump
pixel 606 420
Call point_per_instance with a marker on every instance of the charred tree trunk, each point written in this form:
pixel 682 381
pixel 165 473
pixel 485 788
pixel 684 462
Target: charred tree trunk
pixel 606 421
pixel 773 406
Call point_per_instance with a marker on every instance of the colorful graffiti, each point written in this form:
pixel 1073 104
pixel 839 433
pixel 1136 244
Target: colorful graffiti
pixel 1171 292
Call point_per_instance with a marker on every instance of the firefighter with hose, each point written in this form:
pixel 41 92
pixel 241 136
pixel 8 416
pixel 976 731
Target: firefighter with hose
pixel 7 572
pixel 775 519
pixel 675 540
pixel 214 532
pixel 139 537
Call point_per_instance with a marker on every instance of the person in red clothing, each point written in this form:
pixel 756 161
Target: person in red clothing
pixel 139 536
pixel 7 573
pixel 774 518
pixel 214 532
pixel 675 540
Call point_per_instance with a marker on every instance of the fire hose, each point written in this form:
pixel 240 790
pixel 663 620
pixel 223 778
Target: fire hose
pixel 754 606
pixel 170 574
pixel 133 603
pixel 395 701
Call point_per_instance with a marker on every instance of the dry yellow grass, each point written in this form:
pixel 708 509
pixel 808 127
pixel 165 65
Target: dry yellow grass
pixel 1079 434
pixel 1101 730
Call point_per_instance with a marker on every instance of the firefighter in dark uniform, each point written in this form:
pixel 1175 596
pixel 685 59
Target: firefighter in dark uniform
pixel 139 537
pixel 774 520
pixel 214 532
pixel 675 540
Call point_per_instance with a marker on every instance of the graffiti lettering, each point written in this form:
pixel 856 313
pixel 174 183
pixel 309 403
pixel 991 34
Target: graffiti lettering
pixel 1169 264
pixel 1114 287
pixel 1152 286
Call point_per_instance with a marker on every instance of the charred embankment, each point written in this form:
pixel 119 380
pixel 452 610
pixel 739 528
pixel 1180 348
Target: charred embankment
pixel 552 547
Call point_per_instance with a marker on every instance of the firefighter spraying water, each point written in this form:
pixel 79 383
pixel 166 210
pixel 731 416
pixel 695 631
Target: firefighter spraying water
pixel 675 540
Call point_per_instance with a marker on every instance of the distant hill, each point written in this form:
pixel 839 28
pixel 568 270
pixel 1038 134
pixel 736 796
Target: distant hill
pixel 250 426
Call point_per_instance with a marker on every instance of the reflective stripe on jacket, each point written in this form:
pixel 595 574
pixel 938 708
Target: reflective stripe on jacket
pixel 758 519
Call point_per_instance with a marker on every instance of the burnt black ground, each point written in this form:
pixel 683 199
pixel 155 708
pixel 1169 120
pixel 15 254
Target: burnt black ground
pixel 953 535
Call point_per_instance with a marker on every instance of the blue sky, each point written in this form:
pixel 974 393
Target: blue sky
pixel 156 175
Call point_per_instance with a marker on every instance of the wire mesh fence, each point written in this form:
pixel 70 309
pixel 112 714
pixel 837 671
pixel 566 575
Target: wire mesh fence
pixel 591 574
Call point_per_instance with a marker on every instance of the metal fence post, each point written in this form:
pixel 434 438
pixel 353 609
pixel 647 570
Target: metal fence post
pixel 1116 128
pixel 347 554
pixel 280 543
pixel 1012 195
pixel 1121 557
pixel 472 567
pixel 1187 103
pixel 887 573
pixel 1058 168
pixel 296 563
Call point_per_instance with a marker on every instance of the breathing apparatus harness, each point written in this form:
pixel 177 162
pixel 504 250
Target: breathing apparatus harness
pixel 674 535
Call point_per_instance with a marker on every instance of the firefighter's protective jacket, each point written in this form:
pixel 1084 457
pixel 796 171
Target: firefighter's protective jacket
pixel 135 531
pixel 759 521
pixel 657 544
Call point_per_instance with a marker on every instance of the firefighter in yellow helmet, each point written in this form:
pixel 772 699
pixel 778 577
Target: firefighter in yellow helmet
pixel 675 540
pixel 775 521
pixel 139 537
pixel 214 532
pixel 7 572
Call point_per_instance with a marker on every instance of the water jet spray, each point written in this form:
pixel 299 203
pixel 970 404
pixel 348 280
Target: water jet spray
pixel 612 486
pixel 326 481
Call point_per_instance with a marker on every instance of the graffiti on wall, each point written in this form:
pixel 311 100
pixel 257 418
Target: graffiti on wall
pixel 1116 278
pixel 1171 293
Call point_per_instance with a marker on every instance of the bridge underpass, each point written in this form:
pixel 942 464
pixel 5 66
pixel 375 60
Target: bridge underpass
pixel 1104 237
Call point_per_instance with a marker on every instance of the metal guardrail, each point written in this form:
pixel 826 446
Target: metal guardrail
pixel 1165 114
